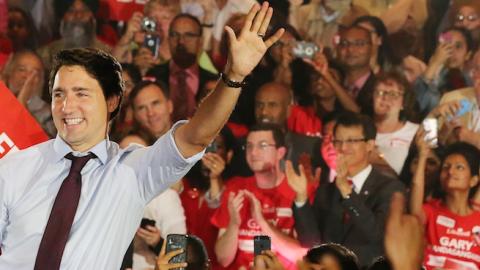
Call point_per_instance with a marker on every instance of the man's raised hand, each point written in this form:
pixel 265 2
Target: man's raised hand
pixel 246 50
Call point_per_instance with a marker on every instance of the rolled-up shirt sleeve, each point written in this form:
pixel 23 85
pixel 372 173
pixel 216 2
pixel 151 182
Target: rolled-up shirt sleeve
pixel 159 166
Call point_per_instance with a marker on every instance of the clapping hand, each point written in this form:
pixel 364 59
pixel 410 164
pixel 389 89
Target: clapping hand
pixel 255 207
pixel 299 182
pixel 235 204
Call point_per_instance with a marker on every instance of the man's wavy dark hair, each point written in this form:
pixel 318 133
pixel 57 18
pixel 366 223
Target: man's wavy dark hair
pixel 100 65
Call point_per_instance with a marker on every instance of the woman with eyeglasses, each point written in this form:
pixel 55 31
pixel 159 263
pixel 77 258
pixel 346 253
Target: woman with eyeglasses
pixel 446 68
pixel 393 104
pixel 452 228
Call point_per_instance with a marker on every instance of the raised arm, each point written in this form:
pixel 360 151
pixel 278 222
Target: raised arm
pixel 245 52
pixel 417 191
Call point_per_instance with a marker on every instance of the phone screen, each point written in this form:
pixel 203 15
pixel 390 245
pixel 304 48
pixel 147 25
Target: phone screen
pixel 261 243
pixel 175 242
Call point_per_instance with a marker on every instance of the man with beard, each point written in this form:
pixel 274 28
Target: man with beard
pixel 77 28
pixel 182 73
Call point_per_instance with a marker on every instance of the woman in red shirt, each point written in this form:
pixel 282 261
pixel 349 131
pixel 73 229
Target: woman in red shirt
pixel 452 225
pixel 202 189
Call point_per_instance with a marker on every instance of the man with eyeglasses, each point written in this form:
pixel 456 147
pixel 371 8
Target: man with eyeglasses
pixel 258 205
pixel 352 210
pixel 182 74
pixel 354 51
pixel 273 104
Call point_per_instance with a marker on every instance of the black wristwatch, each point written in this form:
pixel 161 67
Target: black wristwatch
pixel 231 83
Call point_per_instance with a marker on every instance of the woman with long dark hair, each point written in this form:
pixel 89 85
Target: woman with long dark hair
pixel 451 222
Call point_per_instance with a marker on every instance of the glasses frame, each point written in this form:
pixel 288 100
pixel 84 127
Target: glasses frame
pixel 339 143
pixel 262 146
pixel 461 18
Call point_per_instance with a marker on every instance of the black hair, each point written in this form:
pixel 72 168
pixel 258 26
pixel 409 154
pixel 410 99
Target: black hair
pixel 471 155
pixel 102 66
pixel 351 119
pixel 145 83
pixel 466 35
pixel 380 263
pixel 187 16
pixel 344 257
pixel 277 133
pixel 132 71
pixel 343 30
pixel 197 256
pixel 31 42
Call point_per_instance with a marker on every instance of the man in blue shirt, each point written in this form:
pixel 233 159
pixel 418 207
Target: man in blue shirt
pixel 86 88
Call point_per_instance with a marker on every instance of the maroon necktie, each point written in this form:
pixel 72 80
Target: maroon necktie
pixel 183 99
pixel 60 221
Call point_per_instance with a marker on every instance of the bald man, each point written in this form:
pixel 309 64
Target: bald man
pixel 273 104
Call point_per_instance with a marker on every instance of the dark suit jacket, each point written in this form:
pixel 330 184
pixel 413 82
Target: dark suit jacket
pixel 365 96
pixel 161 73
pixel 363 233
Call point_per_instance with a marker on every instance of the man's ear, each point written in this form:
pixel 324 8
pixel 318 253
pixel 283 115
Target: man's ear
pixel 370 145
pixel 113 103
pixel 469 55
pixel 170 106
pixel 281 152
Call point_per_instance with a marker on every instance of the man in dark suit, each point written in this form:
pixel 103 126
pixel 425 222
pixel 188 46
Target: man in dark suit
pixel 354 51
pixel 351 210
pixel 186 79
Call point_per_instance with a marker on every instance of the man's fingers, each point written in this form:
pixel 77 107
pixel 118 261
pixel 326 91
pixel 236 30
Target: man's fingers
pixel 231 35
pixel 271 40
pixel 249 19
pixel 289 170
pixel 259 17
pixel 266 21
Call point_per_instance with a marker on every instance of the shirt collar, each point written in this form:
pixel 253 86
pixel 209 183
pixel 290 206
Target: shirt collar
pixel 360 82
pixel 360 178
pixel 61 149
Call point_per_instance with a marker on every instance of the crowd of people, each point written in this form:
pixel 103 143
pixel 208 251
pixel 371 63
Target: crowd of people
pixel 319 143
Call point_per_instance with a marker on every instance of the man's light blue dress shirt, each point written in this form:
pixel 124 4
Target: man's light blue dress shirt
pixel 116 186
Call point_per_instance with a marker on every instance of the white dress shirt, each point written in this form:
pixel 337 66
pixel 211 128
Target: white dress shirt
pixel 116 186
pixel 360 178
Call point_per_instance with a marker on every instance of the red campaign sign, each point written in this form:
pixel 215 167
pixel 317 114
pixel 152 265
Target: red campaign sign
pixel 122 10
pixel 18 128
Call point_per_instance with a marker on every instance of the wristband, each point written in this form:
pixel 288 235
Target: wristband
pixel 231 83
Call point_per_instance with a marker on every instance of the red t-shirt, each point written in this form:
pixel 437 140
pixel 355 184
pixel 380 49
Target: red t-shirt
pixel 276 202
pixel 453 241
pixel 198 215
pixel 303 120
